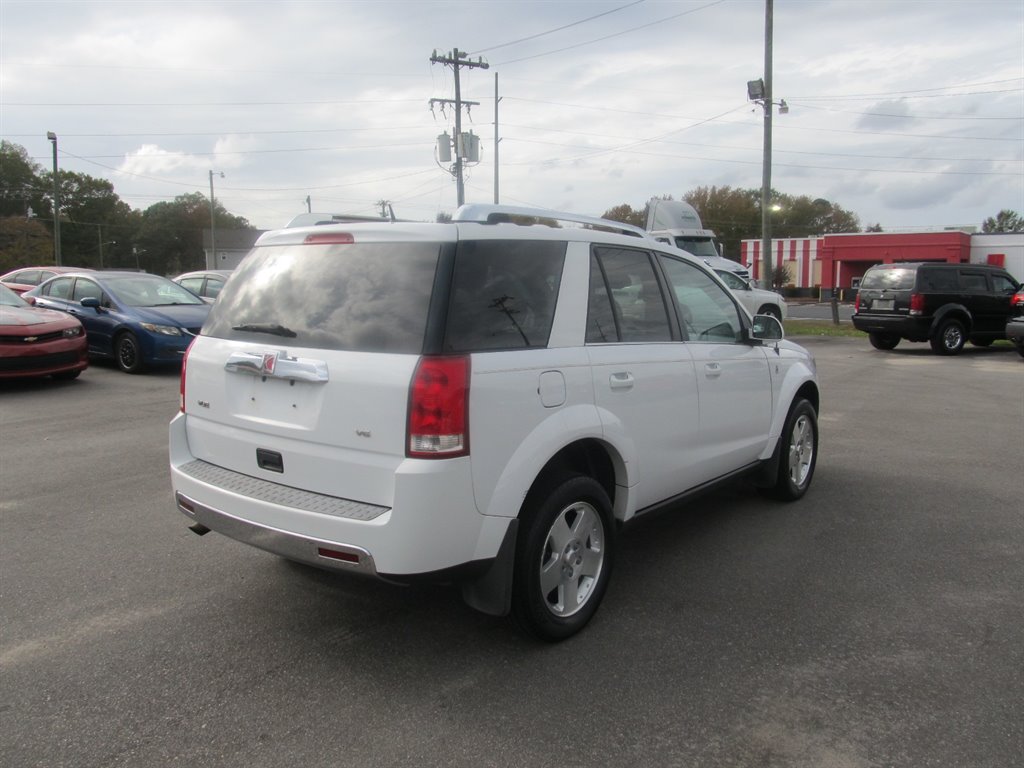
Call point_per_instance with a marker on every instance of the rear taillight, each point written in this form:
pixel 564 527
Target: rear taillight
pixel 184 368
pixel 916 303
pixel 438 426
pixel 856 303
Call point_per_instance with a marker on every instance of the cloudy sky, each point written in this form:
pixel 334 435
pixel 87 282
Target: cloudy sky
pixel 910 113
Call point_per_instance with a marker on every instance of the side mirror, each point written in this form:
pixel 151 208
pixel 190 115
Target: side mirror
pixel 767 328
pixel 91 302
pixel 30 299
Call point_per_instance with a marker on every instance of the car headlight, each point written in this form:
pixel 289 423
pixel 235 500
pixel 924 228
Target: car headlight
pixel 70 333
pixel 164 330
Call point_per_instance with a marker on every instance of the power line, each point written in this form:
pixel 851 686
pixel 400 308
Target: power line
pixel 556 29
pixel 615 34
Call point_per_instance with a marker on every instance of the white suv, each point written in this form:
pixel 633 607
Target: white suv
pixel 480 401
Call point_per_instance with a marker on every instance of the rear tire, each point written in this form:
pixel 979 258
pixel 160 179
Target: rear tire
pixel 564 557
pixel 883 341
pixel 949 338
pixel 798 452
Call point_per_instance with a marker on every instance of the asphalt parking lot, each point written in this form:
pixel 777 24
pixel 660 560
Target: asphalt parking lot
pixel 878 622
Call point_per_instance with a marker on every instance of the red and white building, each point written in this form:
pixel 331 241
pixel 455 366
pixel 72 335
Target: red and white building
pixel 839 261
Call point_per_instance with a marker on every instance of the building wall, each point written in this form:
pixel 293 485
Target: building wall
pixel 1005 250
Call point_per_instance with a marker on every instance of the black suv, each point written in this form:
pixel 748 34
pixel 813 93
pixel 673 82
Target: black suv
pixel 943 304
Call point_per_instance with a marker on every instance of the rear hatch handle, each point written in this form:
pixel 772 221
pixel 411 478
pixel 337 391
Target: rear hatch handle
pixel 278 365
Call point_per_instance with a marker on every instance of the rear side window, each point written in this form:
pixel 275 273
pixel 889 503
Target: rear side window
pixel 892 279
pixel 938 281
pixel 361 297
pixel 503 294
pixel 974 282
pixel 626 303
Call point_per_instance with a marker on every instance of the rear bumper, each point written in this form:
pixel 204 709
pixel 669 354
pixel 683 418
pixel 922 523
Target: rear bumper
pixel 432 529
pixel 912 328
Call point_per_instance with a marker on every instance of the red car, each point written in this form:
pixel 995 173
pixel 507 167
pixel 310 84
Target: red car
pixel 39 342
pixel 27 278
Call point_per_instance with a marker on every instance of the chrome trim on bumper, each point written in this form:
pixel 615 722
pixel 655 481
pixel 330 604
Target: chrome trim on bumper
pixel 287 545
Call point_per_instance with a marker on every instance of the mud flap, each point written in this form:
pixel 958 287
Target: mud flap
pixel 767 475
pixel 492 592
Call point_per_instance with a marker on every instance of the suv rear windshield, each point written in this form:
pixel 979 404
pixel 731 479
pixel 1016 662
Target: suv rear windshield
pixel 363 297
pixel 893 279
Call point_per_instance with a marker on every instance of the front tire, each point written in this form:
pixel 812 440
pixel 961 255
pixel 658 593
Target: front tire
pixel 798 452
pixel 128 353
pixel 883 341
pixel 949 338
pixel 767 309
pixel 564 558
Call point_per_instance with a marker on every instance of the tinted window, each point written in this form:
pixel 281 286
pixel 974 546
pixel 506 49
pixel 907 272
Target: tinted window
pixel 503 294
pixel 367 297
pixel 60 288
pixel 28 277
pixel 213 286
pixel 1003 284
pixel 974 282
pixel 86 289
pixel 938 280
pixel 602 326
pixel 637 302
pixel 706 310
pixel 893 279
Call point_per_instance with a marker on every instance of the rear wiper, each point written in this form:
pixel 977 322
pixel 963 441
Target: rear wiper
pixel 271 328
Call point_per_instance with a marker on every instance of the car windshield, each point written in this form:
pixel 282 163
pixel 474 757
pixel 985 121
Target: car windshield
pixel 698 246
pixel 9 298
pixel 893 279
pixel 150 291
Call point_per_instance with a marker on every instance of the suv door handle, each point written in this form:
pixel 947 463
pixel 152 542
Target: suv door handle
pixel 621 380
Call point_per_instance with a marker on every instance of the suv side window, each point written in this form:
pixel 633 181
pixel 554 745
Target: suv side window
pixel 938 281
pixel 503 294
pixel 636 301
pixel 707 312
pixel 1003 284
pixel 973 282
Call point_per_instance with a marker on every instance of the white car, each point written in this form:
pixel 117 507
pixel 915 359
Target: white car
pixel 756 300
pixel 479 401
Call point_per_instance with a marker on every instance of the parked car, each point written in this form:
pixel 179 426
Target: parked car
pixel 205 284
pixel 479 402
pixel 27 278
pixel 756 300
pixel 943 304
pixel 139 320
pixel 39 342
pixel 1015 333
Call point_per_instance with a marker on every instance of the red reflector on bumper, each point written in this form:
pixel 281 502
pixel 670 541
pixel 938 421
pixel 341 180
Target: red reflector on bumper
pixel 334 554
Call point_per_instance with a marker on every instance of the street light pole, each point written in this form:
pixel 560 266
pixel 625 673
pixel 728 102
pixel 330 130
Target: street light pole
pixel 766 163
pixel 213 227
pixel 56 201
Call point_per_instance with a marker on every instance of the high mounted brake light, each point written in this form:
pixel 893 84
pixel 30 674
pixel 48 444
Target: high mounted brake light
pixel 329 238
pixel 438 417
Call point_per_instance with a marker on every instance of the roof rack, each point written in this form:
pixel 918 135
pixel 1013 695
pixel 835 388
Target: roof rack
pixel 497 214
pixel 317 219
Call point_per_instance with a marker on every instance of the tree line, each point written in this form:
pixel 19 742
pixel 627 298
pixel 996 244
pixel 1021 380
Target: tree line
pixel 97 228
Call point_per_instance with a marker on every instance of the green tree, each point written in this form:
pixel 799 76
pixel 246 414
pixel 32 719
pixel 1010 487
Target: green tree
pixel 24 242
pixel 626 214
pixel 170 236
pixel 21 184
pixel 1004 221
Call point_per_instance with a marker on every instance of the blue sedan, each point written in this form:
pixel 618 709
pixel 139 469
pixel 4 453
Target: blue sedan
pixel 139 320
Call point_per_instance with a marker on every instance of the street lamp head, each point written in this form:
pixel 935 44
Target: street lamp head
pixel 755 89
pixel 783 107
pixel 51 136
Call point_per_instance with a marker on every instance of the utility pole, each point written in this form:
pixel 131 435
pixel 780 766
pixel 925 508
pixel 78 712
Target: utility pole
pixel 211 263
pixel 496 139
pixel 766 162
pixel 309 204
pixel 56 201
pixel 456 59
